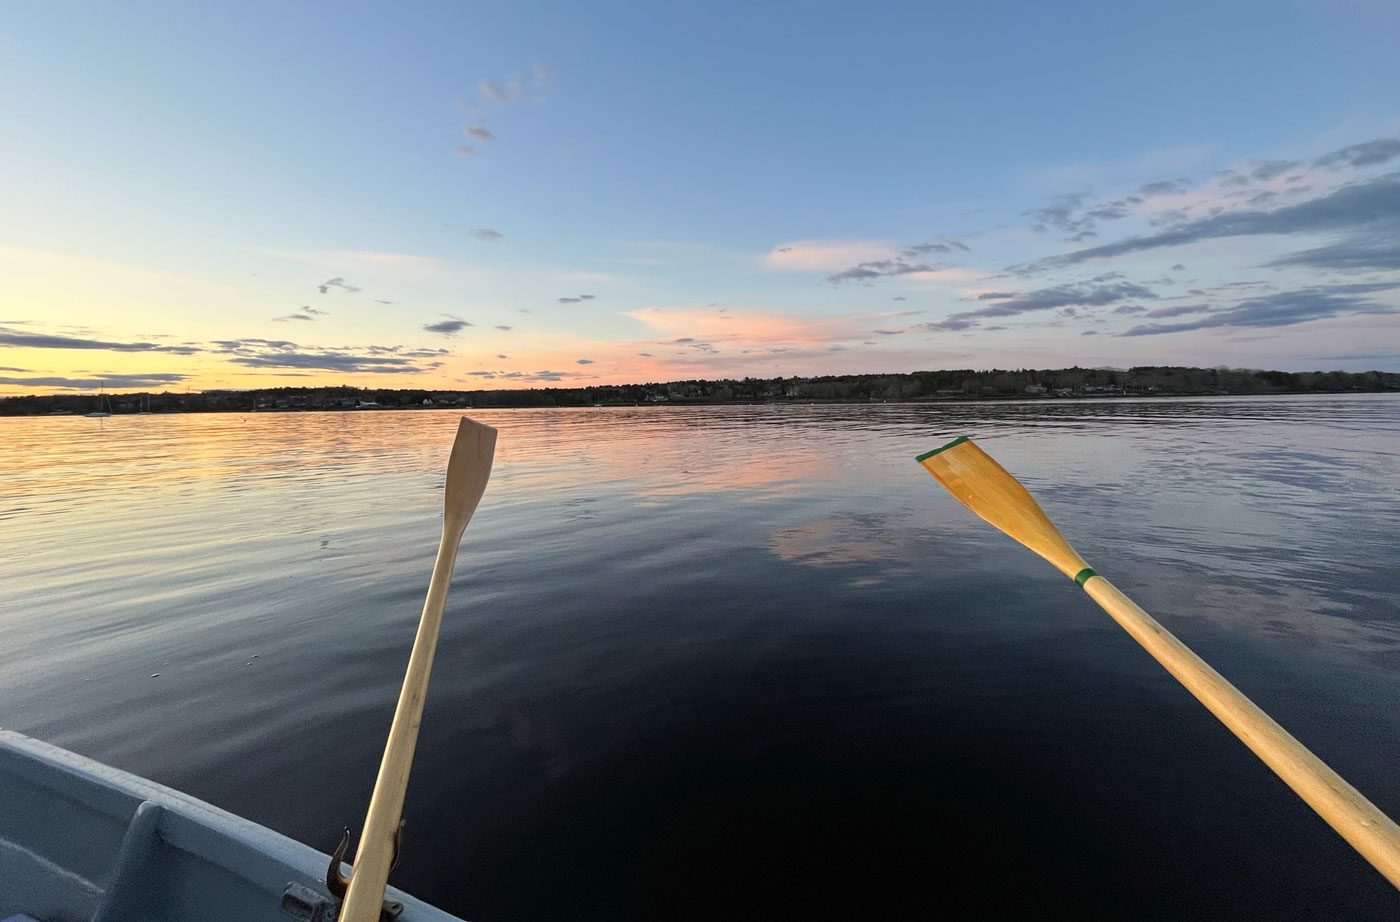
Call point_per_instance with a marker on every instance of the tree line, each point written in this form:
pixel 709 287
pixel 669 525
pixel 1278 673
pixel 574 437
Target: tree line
pixel 948 384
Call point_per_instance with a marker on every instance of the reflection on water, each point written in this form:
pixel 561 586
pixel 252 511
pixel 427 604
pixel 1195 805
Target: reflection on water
pixel 734 661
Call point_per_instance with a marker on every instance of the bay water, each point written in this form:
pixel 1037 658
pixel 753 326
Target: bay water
pixel 735 662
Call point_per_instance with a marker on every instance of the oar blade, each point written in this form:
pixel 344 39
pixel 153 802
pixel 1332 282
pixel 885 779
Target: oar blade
pixel 468 470
pixel 984 486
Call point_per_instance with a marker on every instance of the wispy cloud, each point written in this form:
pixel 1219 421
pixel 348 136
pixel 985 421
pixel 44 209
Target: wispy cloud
pixel 1373 205
pixel 1099 292
pixel 114 381
pixel 827 255
pixel 480 133
pixel 337 282
pixel 486 233
pixel 19 338
pixel 270 353
pixel 450 327
pixel 879 268
pixel 1276 310
pixel 304 313
pixel 513 91
pixel 1365 154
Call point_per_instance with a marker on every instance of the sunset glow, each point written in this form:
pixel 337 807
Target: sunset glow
pixel 587 204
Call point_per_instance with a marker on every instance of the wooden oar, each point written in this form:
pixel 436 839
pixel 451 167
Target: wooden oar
pixel 985 487
pixel 468 469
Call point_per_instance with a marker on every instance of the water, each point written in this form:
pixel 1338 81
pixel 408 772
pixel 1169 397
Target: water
pixel 738 662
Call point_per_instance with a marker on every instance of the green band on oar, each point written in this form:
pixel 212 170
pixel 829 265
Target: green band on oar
pixel 984 486
pixel 929 454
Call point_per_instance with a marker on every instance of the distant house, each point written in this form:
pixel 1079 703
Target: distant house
pixel 368 405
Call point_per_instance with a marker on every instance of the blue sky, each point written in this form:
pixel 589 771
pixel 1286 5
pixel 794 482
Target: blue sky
pixel 745 189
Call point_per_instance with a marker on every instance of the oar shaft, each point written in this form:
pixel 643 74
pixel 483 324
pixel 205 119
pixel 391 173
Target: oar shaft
pixel 365 897
pixel 1345 809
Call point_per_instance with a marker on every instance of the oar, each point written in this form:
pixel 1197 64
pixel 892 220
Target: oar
pixel 984 486
pixel 468 469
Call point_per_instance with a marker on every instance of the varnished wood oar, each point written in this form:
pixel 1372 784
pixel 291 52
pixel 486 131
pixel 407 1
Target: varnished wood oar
pixel 468 469
pixel 984 486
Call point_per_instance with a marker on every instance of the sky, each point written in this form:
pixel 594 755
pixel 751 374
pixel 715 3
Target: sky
pixel 492 195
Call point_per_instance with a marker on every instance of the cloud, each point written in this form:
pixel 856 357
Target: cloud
pixel 1070 213
pixel 1271 169
pixel 583 362
pixel 513 91
pixel 377 301
pixel 116 381
pixel 326 286
pixel 275 353
pixel 952 324
pixel 1372 204
pixel 569 300
pixel 888 332
pixel 1353 255
pixel 996 295
pixel 19 338
pixel 502 326
pixel 900 298
pixel 466 150
pixel 329 361
pixel 486 233
pixel 1281 309
pixel 1130 309
pixel 1090 333
pixel 499 356
pixel 1098 292
pixel 1176 310
pixel 538 376
pixel 878 268
pixel 585 297
pixel 1356 156
pixel 1164 187
pixel 1087 294
pixel 480 133
pixel 305 313
pixel 826 255
pixel 1178 268
pixel 1060 213
pixel 447 327
pixel 935 246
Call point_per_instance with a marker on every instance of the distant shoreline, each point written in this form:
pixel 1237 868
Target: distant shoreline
pixel 923 387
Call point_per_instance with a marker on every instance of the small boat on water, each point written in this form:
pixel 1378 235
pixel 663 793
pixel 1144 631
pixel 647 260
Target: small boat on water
pixel 100 413
pixel 80 840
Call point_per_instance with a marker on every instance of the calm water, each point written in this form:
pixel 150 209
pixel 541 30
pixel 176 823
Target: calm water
pixel 742 662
